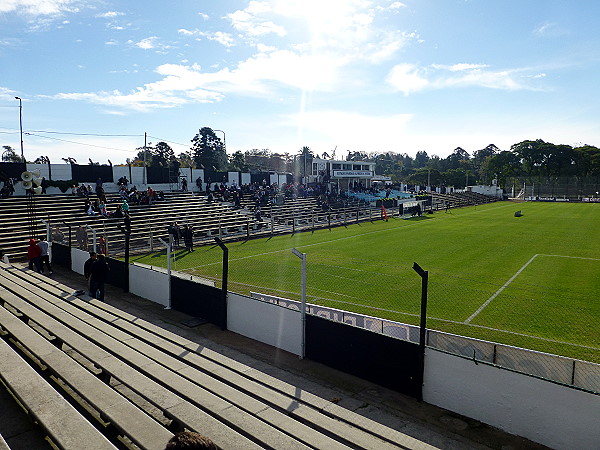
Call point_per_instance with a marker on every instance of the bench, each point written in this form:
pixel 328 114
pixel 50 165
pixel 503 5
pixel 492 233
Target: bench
pixel 111 406
pixel 46 406
pixel 247 388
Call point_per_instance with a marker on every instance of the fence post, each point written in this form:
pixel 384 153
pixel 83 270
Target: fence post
pixel 224 282
pixel 70 253
pixel 423 326
pixel 168 245
pixel 302 256
pixel 93 236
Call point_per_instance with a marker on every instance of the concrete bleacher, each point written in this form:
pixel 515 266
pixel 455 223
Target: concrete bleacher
pixel 208 219
pixel 123 381
pixel 63 211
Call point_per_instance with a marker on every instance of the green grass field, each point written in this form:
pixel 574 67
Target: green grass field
pixel 532 281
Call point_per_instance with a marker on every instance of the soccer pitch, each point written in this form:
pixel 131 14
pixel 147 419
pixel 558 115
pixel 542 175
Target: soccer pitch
pixel 530 281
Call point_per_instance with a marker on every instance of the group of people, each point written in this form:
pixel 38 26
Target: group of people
pixel 38 255
pixel 178 233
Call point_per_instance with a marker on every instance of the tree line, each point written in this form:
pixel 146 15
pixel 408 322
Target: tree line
pixel 459 169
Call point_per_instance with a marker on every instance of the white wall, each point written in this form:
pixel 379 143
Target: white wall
pixel 246 178
pixel 78 259
pixel 545 412
pixel 149 284
pixel 265 322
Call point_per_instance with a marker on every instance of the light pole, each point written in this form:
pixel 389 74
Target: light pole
pixel 21 124
pixel 224 144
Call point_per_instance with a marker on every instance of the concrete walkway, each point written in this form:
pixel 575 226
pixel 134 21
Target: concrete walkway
pixel 424 422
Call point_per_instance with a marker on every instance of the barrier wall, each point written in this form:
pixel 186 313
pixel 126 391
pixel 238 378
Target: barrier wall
pixel 265 322
pixel 149 284
pixel 78 259
pixel 554 415
pixel 390 362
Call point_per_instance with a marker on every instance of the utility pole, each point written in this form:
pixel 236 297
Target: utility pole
pixel 145 145
pixel 21 124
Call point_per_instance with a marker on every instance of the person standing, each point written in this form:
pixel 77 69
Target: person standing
pixel 44 255
pixel 98 275
pixel 33 255
pixel 87 270
pixel 188 237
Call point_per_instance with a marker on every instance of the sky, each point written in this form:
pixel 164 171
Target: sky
pixel 335 75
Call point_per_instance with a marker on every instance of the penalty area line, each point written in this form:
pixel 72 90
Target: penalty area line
pixel 488 301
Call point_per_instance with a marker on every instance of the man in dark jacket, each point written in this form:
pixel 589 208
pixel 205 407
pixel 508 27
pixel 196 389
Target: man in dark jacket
pixel 98 274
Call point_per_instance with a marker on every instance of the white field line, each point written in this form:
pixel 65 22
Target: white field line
pixel 487 302
pixel 573 257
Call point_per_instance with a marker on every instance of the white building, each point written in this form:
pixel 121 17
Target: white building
pixel 342 173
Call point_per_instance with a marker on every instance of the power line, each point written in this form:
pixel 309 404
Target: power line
pixel 86 134
pixel 80 143
pixel 168 142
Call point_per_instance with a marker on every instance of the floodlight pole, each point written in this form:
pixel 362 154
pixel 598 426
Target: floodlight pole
pixel 302 256
pixel 424 274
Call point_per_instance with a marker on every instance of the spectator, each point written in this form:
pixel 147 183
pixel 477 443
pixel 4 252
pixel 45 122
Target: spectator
pixel 102 244
pixel 33 255
pixel 188 237
pixel 87 269
pixel 44 185
pixel 184 184
pixel 98 274
pixel 44 255
pixel 190 440
pixel 176 233
pixel 199 183
pixel 125 206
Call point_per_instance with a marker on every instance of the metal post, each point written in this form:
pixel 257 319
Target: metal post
pixel 302 256
pixel 93 236
pixel 424 274
pixel 168 245
pixel 224 282
pixel 21 125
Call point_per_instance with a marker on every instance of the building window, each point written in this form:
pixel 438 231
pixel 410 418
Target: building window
pixel 315 168
pixel 347 166
pixel 336 166
pixel 356 167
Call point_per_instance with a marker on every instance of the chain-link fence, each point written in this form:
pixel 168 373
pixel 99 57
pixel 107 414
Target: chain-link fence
pixel 574 188
pixel 486 320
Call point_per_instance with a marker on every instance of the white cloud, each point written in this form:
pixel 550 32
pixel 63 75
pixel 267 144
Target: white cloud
pixel 204 16
pixel 346 29
pixel 225 39
pixel 147 43
pixel 111 14
pixel 39 7
pixel 408 78
pixel 548 29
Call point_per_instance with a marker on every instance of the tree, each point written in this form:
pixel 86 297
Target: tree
pixel 237 162
pixel 163 155
pixel 531 155
pixel 503 165
pixel 421 158
pixel 69 160
pixel 208 150
pixel 10 155
pixel 305 160
pixel 185 160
